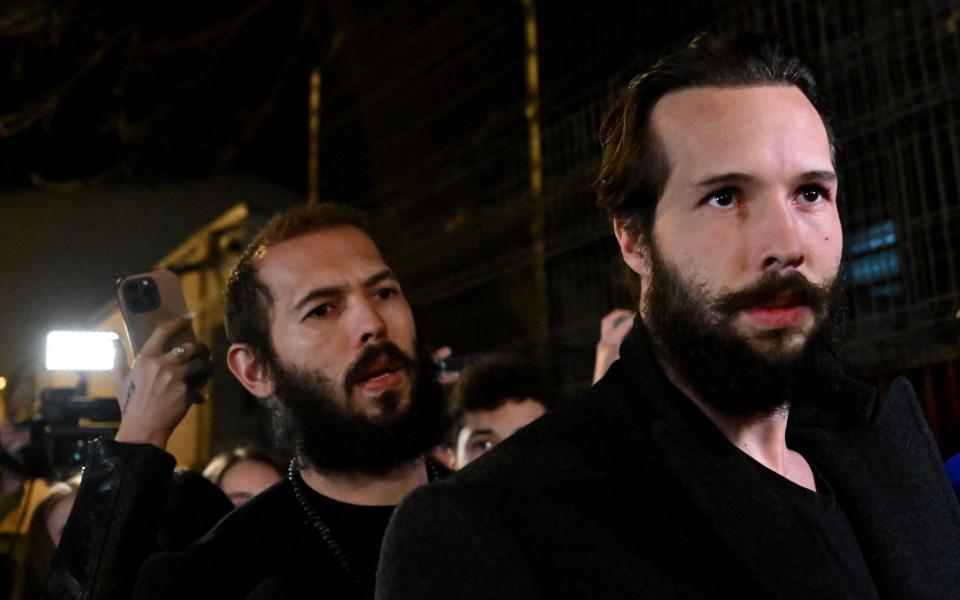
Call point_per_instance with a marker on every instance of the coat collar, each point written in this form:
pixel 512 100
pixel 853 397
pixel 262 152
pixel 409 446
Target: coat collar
pixel 748 515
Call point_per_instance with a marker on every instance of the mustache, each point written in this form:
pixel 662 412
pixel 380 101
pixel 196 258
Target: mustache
pixel 790 288
pixel 370 355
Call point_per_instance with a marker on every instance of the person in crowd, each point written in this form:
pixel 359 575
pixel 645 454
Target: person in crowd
pixel 319 328
pixel 243 472
pixel 21 492
pixel 46 528
pixel 614 326
pixel 18 406
pixel 492 400
pixel 724 455
pixel 131 502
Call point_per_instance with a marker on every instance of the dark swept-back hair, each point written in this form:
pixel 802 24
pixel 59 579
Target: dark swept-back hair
pixel 488 383
pixel 633 166
pixel 248 302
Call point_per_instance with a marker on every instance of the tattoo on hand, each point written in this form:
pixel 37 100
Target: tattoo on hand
pixel 126 401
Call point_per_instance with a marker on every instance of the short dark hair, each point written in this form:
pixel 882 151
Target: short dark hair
pixel 488 383
pixel 221 463
pixel 633 167
pixel 248 302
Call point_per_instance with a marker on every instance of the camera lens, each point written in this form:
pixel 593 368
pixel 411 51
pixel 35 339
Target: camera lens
pixel 140 295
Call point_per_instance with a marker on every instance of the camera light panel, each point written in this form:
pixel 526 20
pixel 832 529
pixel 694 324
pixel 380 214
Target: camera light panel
pixel 80 350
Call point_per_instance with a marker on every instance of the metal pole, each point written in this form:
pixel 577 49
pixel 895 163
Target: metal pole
pixel 313 159
pixel 538 209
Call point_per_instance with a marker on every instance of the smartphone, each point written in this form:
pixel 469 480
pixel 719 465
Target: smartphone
pixel 149 299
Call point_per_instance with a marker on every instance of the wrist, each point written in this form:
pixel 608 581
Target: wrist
pixel 135 435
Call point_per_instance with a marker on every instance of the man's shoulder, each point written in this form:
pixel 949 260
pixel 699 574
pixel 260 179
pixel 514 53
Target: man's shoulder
pixel 858 405
pixel 239 552
pixel 578 442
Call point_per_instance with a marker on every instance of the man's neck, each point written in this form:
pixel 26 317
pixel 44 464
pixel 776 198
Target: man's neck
pixel 764 438
pixel 367 490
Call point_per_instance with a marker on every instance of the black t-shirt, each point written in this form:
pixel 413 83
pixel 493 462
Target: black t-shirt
pixel 268 549
pixel 357 529
pixel 830 533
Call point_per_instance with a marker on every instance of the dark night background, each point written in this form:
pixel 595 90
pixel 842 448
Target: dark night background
pixel 126 126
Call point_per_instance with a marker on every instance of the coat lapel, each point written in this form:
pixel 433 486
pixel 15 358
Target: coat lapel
pixel 883 478
pixel 749 517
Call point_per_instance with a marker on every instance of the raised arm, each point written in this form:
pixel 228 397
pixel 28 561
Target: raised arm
pixel 113 525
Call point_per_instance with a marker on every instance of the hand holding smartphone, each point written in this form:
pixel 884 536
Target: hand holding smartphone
pixel 171 365
pixel 148 299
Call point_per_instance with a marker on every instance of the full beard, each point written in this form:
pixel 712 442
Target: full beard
pixel 695 336
pixel 333 438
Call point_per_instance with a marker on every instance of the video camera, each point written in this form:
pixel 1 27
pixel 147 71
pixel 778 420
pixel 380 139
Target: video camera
pixel 68 421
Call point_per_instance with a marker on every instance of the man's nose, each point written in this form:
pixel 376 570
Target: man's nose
pixel 369 326
pixel 777 236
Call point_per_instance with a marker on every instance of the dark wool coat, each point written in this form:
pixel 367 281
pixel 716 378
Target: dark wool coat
pixel 631 492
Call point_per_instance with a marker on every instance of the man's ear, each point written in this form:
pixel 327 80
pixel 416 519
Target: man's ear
pixel 632 247
pixel 253 374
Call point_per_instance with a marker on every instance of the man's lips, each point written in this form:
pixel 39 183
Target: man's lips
pixel 777 316
pixel 381 376
pixel 382 382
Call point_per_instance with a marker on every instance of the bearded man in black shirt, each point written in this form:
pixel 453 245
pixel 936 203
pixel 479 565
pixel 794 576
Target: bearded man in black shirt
pixel 724 455
pixel 320 328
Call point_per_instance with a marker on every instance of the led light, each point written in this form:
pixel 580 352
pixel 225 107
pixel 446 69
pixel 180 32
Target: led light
pixel 80 350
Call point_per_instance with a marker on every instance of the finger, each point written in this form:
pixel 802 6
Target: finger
pixel 624 321
pixel 120 366
pixel 181 353
pixel 442 353
pixel 618 314
pixel 197 372
pixel 202 351
pixel 163 332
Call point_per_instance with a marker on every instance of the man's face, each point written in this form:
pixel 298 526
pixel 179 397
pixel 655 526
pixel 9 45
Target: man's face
pixel 335 301
pixel 484 429
pixel 352 396
pixel 751 193
pixel 738 280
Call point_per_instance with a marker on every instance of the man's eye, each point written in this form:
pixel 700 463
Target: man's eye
pixel 386 293
pixel 320 311
pixel 722 199
pixel 812 194
pixel 482 445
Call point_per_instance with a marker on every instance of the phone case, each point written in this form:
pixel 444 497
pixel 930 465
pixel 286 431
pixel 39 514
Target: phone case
pixel 141 317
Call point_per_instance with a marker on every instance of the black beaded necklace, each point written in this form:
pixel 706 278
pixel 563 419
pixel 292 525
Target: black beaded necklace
pixel 314 520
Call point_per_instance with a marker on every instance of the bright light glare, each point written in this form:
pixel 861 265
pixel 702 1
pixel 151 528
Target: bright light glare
pixel 80 350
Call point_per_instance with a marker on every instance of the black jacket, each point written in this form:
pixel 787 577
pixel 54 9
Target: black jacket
pixel 631 492
pixel 131 503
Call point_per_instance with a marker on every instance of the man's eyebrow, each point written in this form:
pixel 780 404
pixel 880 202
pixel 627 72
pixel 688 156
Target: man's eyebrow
pixel 476 432
pixel 326 292
pixel 737 177
pixel 733 177
pixel 821 176
pixel 378 277
pixel 316 293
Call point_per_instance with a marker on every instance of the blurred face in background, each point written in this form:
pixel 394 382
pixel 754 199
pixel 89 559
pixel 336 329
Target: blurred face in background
pixel 246 478
pixel 483 430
